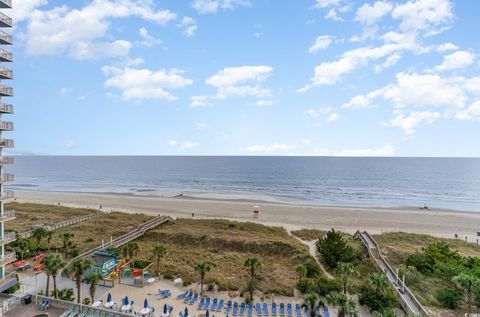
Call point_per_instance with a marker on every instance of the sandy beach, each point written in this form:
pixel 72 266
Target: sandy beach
pixel 442 223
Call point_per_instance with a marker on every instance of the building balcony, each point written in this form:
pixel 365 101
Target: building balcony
pixel 5 4
pixel 8 258
pixel 5 38
pixel 6 73
pixel 6 126
pixel 5 21
pixel 7 160
pixel 6 195
pixel 8 238
pixel 6 108
pixel 5 178
pixel 5 56
pixel 7 143
pixel 8 215
pixel 6 91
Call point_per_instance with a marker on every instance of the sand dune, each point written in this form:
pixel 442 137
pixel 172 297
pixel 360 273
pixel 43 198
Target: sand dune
pixel 443 223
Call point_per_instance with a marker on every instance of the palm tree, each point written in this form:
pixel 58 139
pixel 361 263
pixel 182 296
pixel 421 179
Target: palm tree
pixel 301 270
pixel 470 284
pixel 158 251
pixel 310 301
pixel 346 307
pixel 78 268
pixel 202 269
pixel 93 280
pixel 345 271
pixel 20 246
pixel 131 249
pixel 67 241
pixel 252 264
pixel 49 236
pixel 38 234
pixel 46 269
pixel 56 264
pixel 379 282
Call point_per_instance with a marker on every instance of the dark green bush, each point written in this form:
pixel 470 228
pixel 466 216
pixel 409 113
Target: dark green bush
pixel 450 297
pixel 335 249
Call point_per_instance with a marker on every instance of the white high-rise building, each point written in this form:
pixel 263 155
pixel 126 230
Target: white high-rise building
pixel 6 279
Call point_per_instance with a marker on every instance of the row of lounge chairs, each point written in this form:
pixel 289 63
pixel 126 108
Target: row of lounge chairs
pixel 86 312
pixel 261 310
pixel 164 293
pixel 188 297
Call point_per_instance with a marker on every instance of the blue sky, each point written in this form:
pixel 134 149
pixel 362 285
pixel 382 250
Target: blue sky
pixel 239 77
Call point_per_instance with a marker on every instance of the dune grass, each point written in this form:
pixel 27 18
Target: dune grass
pixel 308 234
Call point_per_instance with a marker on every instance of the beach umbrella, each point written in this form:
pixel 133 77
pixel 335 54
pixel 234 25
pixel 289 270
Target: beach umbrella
pixel 165 309
pixel 186 311
pixel 109 298
pixel 207 313
pixel 145 303
pixel 126 300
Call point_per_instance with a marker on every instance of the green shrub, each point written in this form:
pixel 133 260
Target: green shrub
pixel 66 294
pixel 305 285
pixel 12 289
pixel 377 294
pixel 312 269
pixel 449 297
pixel 168 275
pixel 335 249
pixel 324 286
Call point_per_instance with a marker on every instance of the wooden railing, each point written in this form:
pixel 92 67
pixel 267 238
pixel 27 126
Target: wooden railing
pixel 382 264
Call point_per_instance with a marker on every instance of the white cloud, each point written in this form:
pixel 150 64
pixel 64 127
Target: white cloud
pixel 333 117
pixel 332 15
pixel 446 47
pixel 459 59
pixel 82 32
pixel 68 144
pixel 264 102
pixel 141 84
pixel 321 42
pixel 370 14
pixel 472 112
pixel 416 15
pixel 327 3
pixel 392 60
pixel 410 122
pixel 201 125
pixel 212 6
pixel 22 9
pixel 363 101
pixel 147 39
pixel 275 147
pixel 199 101
pixel 241 81
pixel 315 113
pixel 190 26
pixel 65 91
pixel 184 145
pixel 306 142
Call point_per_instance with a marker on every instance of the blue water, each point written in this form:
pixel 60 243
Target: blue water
pixel 437 182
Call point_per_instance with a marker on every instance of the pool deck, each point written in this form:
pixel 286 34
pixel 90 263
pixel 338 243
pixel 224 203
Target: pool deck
pixel 32 310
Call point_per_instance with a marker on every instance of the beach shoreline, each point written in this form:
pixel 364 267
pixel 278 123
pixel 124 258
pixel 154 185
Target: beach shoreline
pixel 438 222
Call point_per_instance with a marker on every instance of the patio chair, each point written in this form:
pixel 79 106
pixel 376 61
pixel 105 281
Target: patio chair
pixel 282 309
pixel 274 309
pixel 235 309
pixel 258 309
pixel 265 309
pixel 220 305
pixel 243 306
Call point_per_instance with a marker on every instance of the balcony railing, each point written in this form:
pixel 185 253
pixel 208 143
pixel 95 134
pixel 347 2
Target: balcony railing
pixel 6 73
pixel 7 143
pixel 5 195
pixel 8 215
pixel 7 160
pixel 6 38
pixel 5 177
pixel 7 238
pixel 5 20
pixel 5 56
pixel 6 108
pixel 6 91
pixel 6 126
pixel 9 257
pixel 6 4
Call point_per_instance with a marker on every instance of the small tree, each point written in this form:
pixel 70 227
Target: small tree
pixel 47 270
pixel 346 307
pixel 56 264
pixel 252 264
pixel 449 297
pixel 78 268
pixel 38 234
pixel 310 301
pixel 202 269
pixel 334 249
pixel 301 271
pixel 469 284
pixel 93 280
pixel 20 246
pixel 345 271
pixel 377 293
pixel 158 251
pixel 49 236
pixel 67 241
pixel 131 249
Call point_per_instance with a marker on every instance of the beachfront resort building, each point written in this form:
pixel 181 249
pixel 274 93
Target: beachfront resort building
pixel 6 279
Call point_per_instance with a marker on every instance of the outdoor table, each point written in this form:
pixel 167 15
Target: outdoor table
pixel 126 307
pixel 151 280
pixel 97 304
pixel 145 311
pixel 109 304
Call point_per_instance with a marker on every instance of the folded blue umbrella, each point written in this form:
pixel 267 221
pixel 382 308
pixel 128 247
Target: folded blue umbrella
pixel 126 300
pixel 165 308
pixel 186 311
pixel 109 298
pixel 207 313
pixel 145 303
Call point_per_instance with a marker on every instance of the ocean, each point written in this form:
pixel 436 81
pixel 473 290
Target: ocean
pixel 375 182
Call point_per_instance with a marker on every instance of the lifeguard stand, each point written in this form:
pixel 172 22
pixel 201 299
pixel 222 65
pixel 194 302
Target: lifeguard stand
pixel 256 212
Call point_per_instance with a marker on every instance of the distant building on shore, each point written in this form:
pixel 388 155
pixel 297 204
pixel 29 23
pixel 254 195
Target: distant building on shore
pixel 7 279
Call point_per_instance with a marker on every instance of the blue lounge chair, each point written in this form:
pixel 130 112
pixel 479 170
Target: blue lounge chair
pixel 243 306
pixel 250 310
pixel 274 309
pixel 289 310
pixel 207 303
pixel 298 310
pixel 282 309
pixel 188 298
pixel 326 312
pixel 194 299
pixel 229 307
pixel 220 305
pixel 201 304
pixel 235 309
pixel 183 295
pixel 258 309
pixel 214 304
pixel 307 311
pixel 265 309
